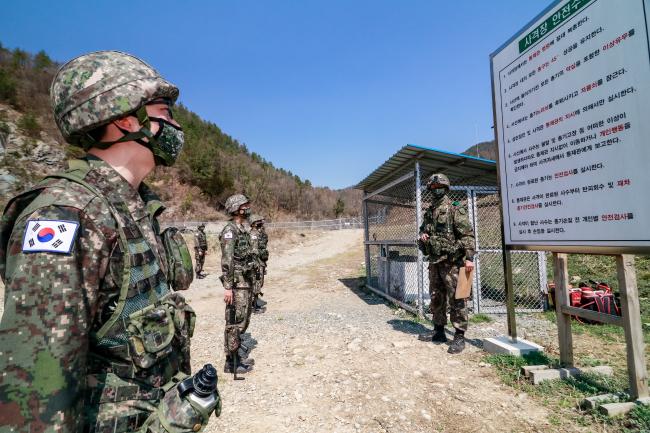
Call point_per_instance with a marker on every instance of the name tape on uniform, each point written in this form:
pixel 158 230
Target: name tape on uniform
pixel 49 236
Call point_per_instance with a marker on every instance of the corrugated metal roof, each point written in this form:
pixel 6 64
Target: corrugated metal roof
pixel 461 169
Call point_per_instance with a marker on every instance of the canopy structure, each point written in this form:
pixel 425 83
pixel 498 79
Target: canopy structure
pixel 461 169
pixel 394 202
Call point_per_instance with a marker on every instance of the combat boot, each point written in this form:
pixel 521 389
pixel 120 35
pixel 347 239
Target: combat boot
pixel 439 335
pixel 458 345
pixel 241 367
pixel 242 355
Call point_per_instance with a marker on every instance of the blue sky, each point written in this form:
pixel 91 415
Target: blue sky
pixel 328 89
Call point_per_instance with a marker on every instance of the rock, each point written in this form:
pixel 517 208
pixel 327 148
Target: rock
pixel 425 415
pixel 417 373
pixel 385 398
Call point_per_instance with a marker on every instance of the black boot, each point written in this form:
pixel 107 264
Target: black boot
pixel 242 356
pixel 439 334
pixel 241 368
pixel 458 345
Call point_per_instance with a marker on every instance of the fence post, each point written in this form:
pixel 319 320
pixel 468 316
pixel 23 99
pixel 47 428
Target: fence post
pixel 636 366
pixel 366 237
pixel 418 223
pixel 472 210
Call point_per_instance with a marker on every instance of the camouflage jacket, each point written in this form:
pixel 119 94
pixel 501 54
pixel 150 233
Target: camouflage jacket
pixel 200 240
pixel 259 241
pixel 237 260
pixel 56 302
pixel 451 236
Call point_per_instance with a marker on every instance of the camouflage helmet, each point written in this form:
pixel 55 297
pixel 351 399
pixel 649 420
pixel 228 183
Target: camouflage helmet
pixel 234 202
pixel 255 218
pixel 438 179
pixel 96 88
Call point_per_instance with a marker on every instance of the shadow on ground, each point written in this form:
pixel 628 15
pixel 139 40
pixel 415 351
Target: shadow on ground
pixel 407 326
pixel 356 285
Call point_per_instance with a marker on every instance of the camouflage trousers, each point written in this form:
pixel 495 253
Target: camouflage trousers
pixel 242 306
pixel 443 278
pixel 199 257
pixel 258 283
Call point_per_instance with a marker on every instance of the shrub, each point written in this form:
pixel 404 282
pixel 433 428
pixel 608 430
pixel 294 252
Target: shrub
pixel 29 124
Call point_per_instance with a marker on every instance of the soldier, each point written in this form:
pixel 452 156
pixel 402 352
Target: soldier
pixel 93 334
pixel 237 266
pixel 200 250
pixel 260 241
pixel 446 237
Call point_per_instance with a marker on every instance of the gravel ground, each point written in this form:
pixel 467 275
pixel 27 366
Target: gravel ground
pixel 331 358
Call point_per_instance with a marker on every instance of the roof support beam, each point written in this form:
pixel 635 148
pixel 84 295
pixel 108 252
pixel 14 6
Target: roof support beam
pixel 397 181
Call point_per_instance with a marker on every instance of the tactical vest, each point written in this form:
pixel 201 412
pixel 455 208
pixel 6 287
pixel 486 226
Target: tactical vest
pixel 442 244
pixel 243 260
pixel 142 338
pixel 202 241
pixel 263 246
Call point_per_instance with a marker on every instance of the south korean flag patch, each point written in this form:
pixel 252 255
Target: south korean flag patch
pixel 49 236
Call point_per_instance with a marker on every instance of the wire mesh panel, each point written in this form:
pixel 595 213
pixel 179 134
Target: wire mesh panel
pixel 395 265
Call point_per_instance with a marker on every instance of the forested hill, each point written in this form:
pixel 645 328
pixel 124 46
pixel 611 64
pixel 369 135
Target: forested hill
pixel 213 164
pixel 484 149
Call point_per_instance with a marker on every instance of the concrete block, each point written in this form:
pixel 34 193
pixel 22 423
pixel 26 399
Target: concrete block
pixel 597 400
pixel 526 369
pixel 539 376
pixel 615 409
pixel 503 344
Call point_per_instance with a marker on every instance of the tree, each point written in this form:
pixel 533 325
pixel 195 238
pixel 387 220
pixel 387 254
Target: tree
pixel 42 61
pixel 339 207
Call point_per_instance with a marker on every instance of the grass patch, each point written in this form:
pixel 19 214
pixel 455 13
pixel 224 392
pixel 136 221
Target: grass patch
pixel 564 396
pixel 480 318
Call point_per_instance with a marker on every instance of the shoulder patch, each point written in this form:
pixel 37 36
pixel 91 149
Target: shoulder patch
pixel 228 235
pixel 53 236
pixel 456 203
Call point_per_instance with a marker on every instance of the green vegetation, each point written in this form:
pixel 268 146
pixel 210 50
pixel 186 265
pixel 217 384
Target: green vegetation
pixel 603 268
pixel 29 124
pixel 563 396
pixel 480 318
pixel 212 161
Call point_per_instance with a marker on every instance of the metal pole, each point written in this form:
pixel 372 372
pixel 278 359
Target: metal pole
pixel 366 237
pixel 473 217
pixel 418 223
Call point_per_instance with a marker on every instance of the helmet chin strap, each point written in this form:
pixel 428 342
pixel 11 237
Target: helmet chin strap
pixel 137 136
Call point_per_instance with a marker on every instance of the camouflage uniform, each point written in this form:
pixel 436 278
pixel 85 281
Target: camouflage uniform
pixel 72 362
pixel 93 336
pixel 200 249
pixel 259 242
pixel 237 266
pixel 451 242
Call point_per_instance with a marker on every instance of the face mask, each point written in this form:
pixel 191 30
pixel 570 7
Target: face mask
pixel 246 212
pixel 168 142
pixel 165 145
pixel 439 192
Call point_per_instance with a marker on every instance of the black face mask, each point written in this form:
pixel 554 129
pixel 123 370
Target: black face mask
pixel 439 192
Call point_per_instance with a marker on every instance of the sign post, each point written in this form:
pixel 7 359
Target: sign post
pixel 571 95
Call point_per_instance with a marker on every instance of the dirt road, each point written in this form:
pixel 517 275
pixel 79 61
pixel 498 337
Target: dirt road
pixel 330 358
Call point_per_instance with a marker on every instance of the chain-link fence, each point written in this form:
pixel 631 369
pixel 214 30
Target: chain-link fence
pixel 397 269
